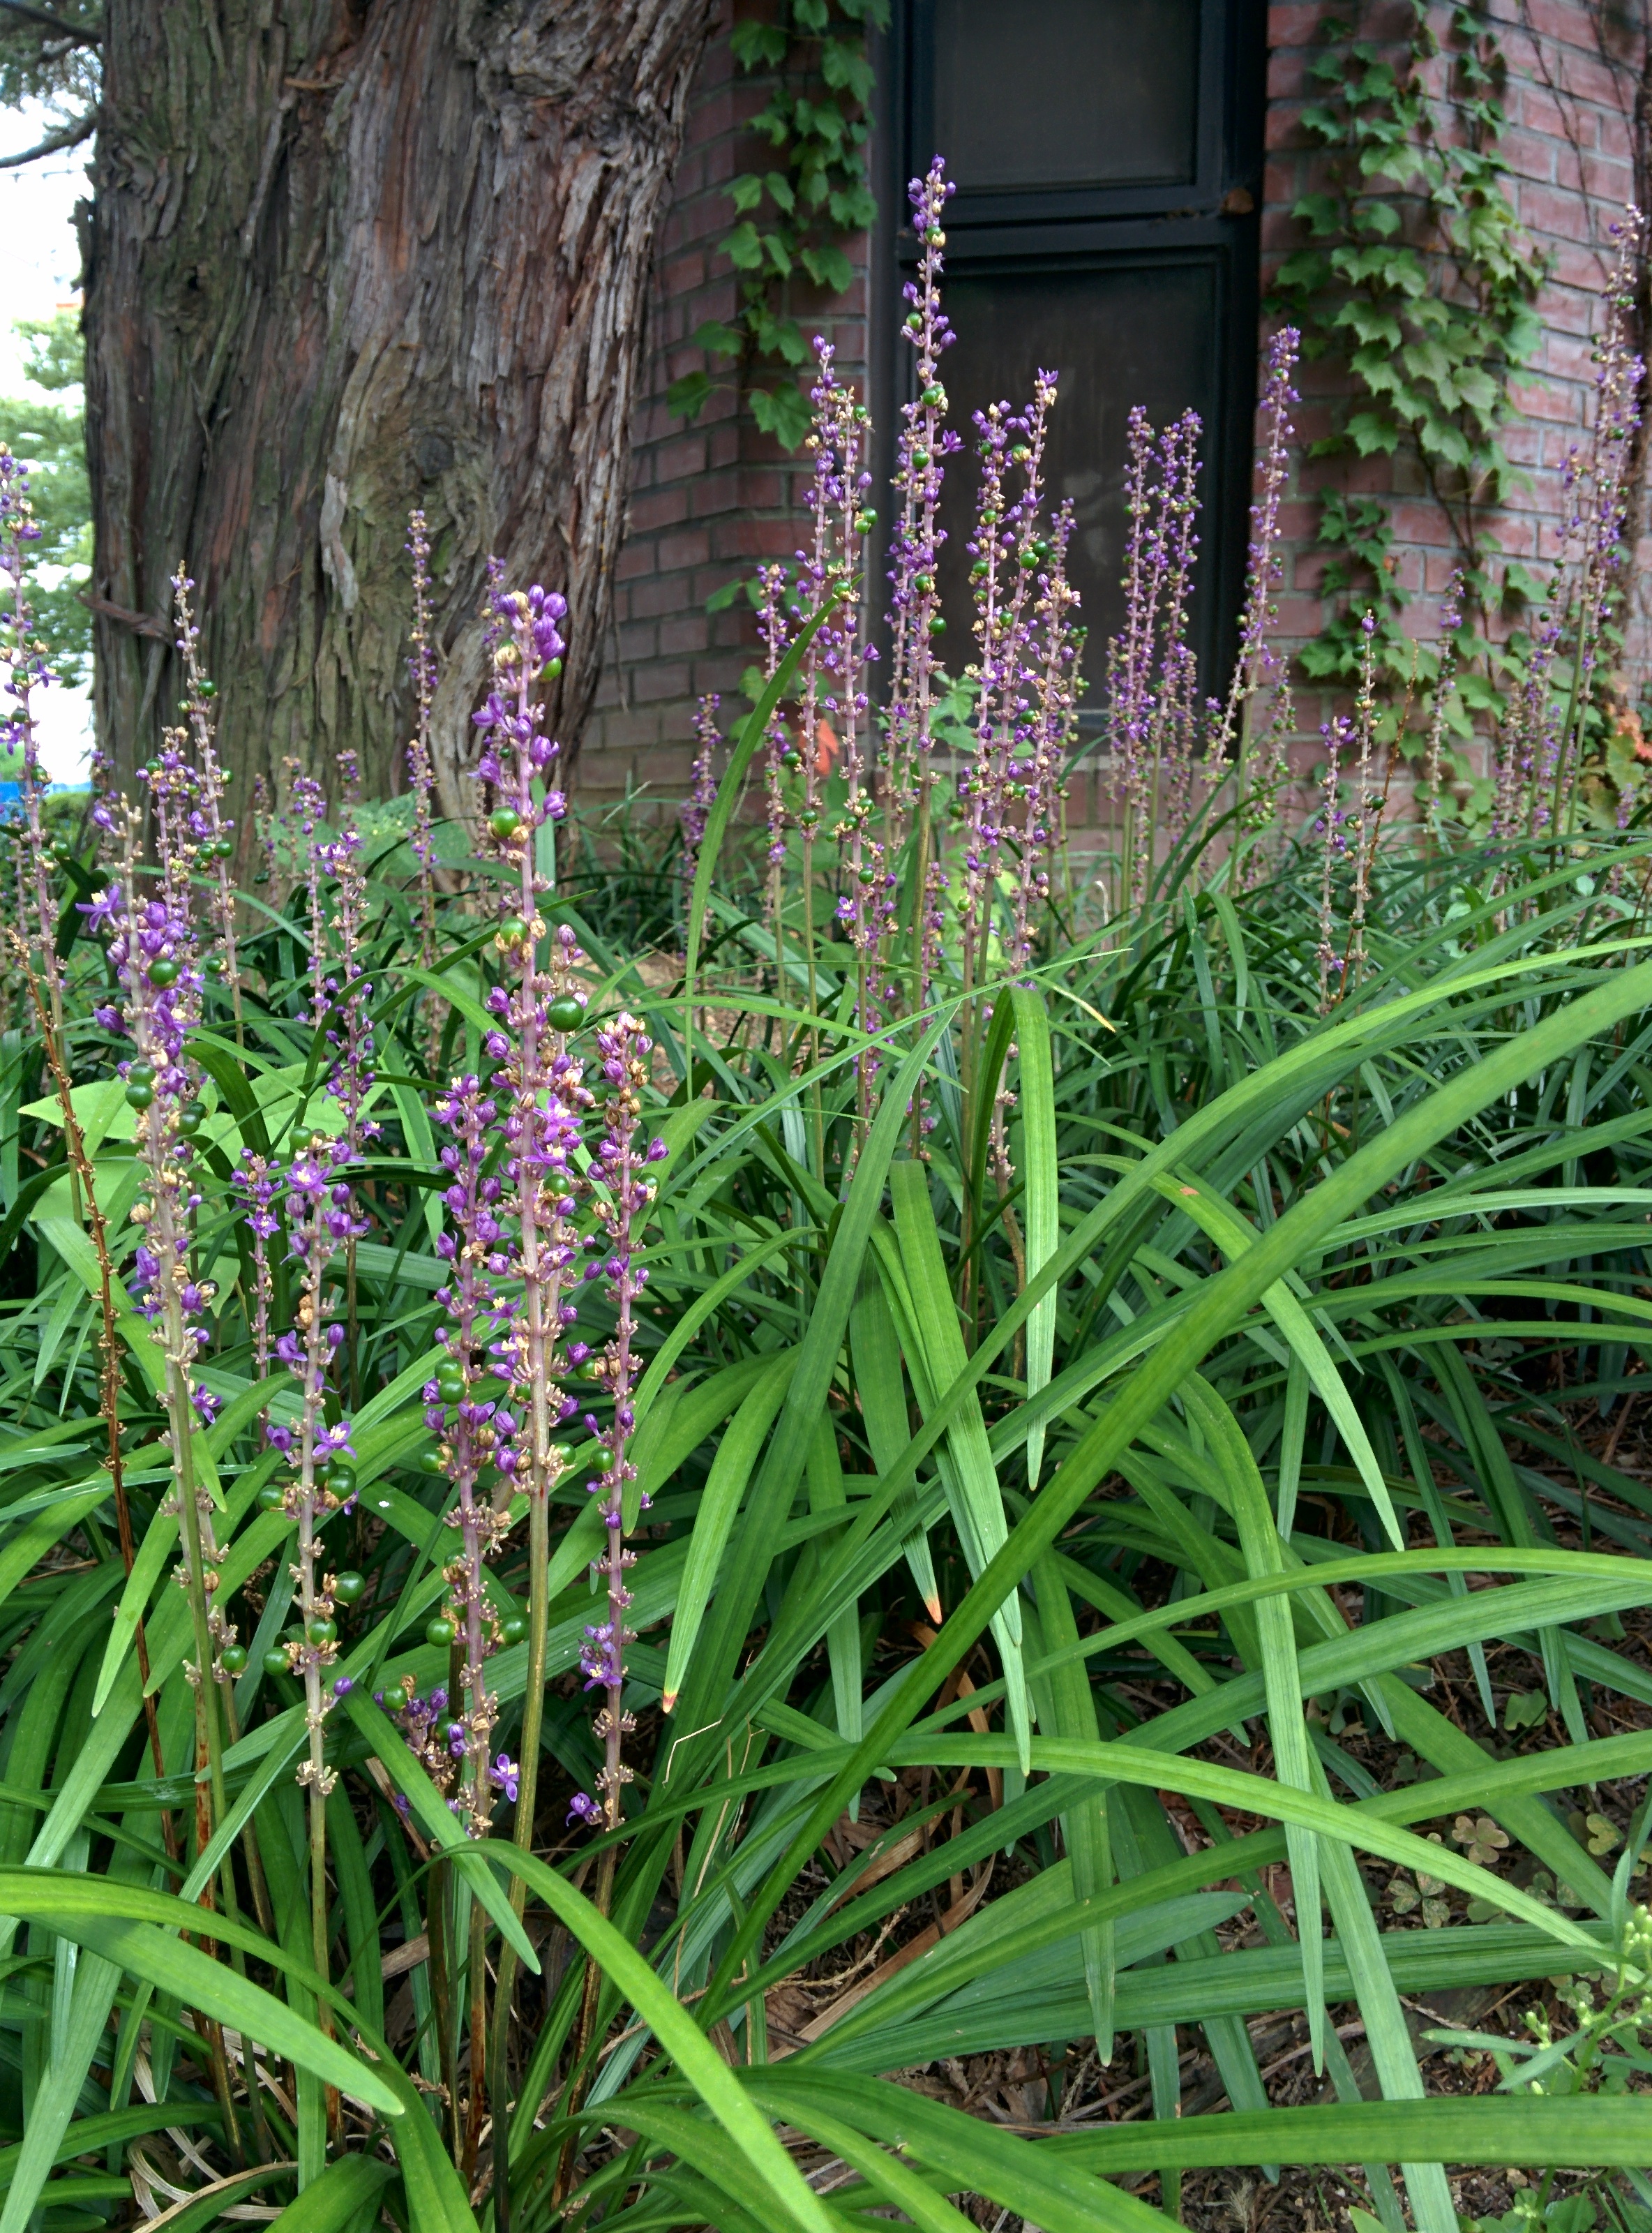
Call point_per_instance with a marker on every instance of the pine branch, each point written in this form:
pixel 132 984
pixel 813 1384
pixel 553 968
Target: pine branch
pixel 78 35
pixel 70 135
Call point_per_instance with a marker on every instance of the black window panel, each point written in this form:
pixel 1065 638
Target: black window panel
pixel 1032 94
pixel 1119 331
pixel 1107 157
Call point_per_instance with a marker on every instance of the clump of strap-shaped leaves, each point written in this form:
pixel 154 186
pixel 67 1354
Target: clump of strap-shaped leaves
pixel 1018 1424
pixel 1128 1419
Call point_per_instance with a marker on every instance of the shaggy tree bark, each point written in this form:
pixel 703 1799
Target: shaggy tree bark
pixel 345 256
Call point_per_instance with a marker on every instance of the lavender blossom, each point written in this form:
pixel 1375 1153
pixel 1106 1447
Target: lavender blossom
pixel 535 1016
pixel 343 1001
pixel 1330 828
pixel 1601 513
pixel 151 950
pixel 622 1049
pixel 477 1430
pixel 921 447
pixel 1367 815
pixel 27 673
pixel 1053 727
pixel 702 794
pixel 834 696
pixel 421 769
pixel 254 1188
pixel 780 754
pixel 1265 574
pixel 320 1220
pixel 214 833
pixel 1007 551
pixel 1451 621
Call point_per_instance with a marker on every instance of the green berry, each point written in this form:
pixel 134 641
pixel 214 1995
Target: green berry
pixel 934 397
pixel 451 1384
pixel 340 1479
pixel 163 972
pixel 553 668
pixel 937 626
pixel 140 1073
pixel 322 1631
pixel 513 1628
pixel 440 1632
pixel 275 1660
pixel 564 1013
pixel 233 1658
pixel 512 931
pixel 272 1496
pixel 139 1095
pixel 347 1588
pixel 207 687
pixel 432 1462
pixel 504 822
pixel 191 1118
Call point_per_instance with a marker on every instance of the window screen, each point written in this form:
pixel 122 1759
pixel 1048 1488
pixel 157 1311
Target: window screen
pixel 1143 332
pixel 1107 158
pixel 1065 93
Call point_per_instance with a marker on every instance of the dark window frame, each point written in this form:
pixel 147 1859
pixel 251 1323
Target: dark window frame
pixel 1213 219
pixel 1220 54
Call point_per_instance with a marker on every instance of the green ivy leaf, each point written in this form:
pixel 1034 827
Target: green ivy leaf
pixel 779 337
pixel 852 208
pixel 1322 213
pixel 846 69
pixel 828 267
pixel 743 247
pixel 717 339
pixel 1372 436
pixel 782 412
pixel 687 398
pixel 758 45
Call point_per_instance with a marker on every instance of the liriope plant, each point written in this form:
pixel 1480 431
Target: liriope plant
pixel 600 1563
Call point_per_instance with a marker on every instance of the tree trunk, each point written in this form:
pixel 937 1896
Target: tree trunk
pixel 346 257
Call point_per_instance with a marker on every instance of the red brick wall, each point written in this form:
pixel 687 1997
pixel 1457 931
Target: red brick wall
pixel 713 499
pixel 1570 145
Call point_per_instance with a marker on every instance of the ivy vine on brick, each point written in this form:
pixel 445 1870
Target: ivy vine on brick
pixel 792 219
pixel 1419 279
